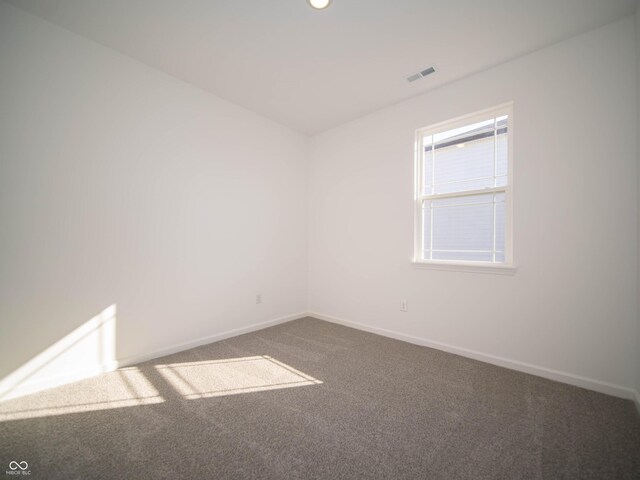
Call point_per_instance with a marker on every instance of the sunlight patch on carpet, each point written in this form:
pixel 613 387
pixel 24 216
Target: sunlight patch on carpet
pixel 217 378
pixel 127 387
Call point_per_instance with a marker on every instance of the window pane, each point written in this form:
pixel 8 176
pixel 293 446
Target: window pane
pixel 475 184
pixel 466 199
pixel 427 166
pixel 426 231
pixel 464 166
pixel 500 227
pixel 501 155
pixel 464 256
pixel 501 181
pixel 471 157
pixel 463 227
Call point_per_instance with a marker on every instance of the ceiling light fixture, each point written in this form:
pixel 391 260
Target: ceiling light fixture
pixel 319 4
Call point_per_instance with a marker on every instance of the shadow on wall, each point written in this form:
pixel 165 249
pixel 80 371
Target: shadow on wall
pixel 87 351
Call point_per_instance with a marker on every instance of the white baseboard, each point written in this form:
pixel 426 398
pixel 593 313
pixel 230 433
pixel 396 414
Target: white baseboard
pixel 564 377
pixel 29 387
pixel 179 347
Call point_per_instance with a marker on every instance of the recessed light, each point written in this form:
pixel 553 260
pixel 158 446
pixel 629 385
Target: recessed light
pixel 319 4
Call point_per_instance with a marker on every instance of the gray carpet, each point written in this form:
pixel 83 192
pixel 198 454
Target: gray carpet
pixel 313 400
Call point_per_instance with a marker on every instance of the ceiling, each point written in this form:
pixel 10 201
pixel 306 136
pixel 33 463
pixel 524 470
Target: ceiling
pixel 312 70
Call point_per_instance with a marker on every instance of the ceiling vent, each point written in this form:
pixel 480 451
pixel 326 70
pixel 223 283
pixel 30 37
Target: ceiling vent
pixel 422 74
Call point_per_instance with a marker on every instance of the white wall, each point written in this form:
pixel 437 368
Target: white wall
pixel 571 306
pixel 120 185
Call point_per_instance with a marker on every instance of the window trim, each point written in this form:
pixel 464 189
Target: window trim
pixel 508 267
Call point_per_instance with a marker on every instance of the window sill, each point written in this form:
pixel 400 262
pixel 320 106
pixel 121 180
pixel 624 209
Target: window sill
pixel 469 267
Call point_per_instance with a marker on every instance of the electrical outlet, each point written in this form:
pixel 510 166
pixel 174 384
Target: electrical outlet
pixel 259 298
pixel 403 306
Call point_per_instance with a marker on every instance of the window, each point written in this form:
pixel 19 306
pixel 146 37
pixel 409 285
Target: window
pixel 463 191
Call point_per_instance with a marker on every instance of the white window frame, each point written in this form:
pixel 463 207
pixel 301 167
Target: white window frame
pixel 508 267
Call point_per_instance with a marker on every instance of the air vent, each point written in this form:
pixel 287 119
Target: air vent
pixel 422 74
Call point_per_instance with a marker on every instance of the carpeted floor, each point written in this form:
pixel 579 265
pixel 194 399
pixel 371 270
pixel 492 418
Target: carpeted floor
pixel 313 400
